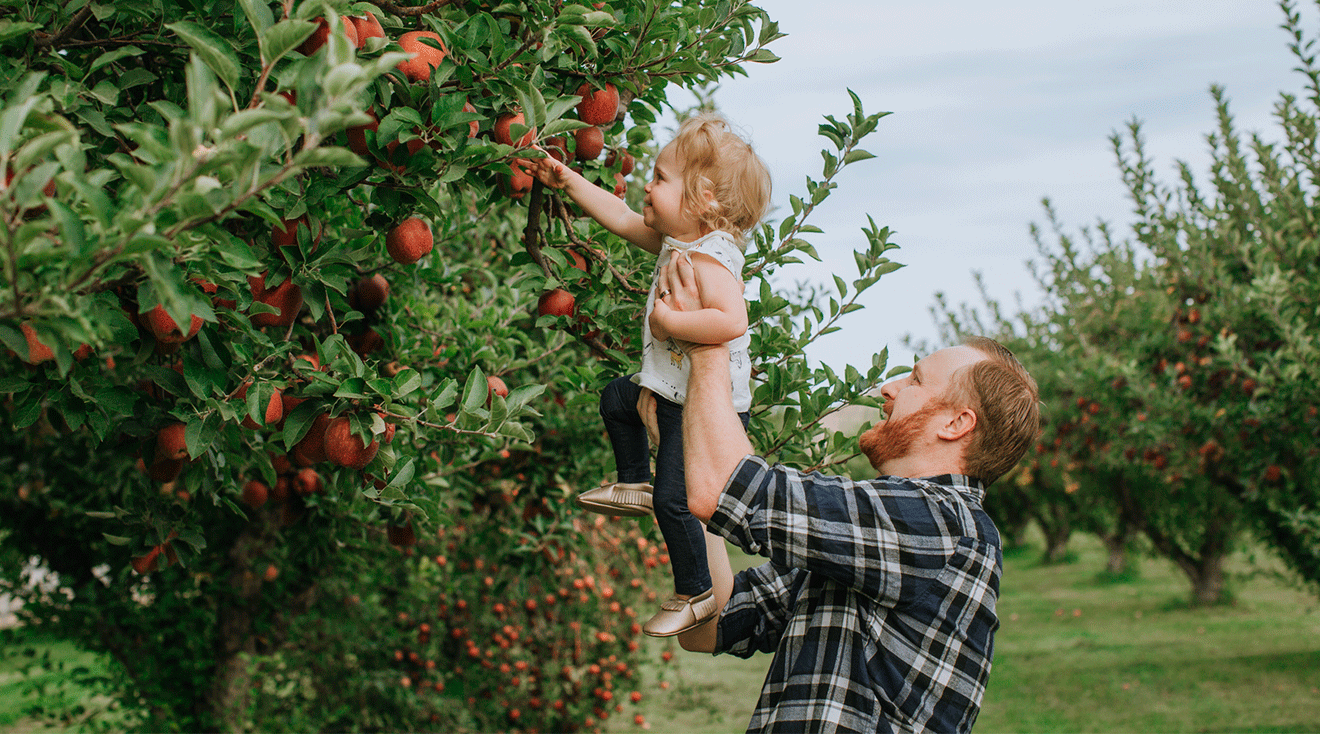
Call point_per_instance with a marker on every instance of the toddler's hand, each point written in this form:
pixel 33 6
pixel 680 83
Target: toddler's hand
pixel 658 329
pixel 550 172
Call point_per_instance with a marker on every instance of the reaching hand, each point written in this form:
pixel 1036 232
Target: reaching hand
pixel 551 172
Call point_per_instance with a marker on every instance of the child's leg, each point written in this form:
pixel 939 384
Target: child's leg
pixel 684 533
pixel 618 408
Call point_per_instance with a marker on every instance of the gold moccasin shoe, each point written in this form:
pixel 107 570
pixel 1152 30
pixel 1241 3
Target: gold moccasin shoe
pixel 680 615
pixel 620 498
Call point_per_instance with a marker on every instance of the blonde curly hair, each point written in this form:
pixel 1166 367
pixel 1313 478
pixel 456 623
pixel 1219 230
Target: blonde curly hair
pixel 718 160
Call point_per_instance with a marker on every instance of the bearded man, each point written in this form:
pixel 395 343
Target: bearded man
pixel 878 599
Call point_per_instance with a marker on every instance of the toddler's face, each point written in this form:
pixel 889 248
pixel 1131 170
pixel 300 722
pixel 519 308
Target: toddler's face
pixel 662 207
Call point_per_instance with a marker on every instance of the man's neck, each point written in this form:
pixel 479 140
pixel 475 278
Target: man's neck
pixel 913 467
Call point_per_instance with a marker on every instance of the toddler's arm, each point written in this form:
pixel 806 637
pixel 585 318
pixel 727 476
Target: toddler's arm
pixel 601 205
pixel 723 313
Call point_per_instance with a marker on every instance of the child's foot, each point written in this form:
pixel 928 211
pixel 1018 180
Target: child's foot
pixel 678 615
pixel 620 498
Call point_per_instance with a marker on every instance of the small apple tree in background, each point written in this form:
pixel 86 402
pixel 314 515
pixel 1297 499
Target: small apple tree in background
pixel 287 423
pixel 1179 367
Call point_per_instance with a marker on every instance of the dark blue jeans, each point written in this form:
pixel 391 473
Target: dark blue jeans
pixel 683 533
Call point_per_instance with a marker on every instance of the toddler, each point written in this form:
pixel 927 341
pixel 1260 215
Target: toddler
pixel 708 189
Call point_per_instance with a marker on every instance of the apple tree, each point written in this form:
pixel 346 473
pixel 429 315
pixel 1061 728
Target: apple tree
pixel 1190 348
pixel 295 421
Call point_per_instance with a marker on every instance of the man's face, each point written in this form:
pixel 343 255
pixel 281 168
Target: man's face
pixel 916 407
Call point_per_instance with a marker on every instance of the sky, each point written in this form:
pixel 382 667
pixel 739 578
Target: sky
pixel 995 106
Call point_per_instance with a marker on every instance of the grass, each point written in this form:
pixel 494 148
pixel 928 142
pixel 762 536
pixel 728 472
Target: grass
pixel 1078 652
pixel 40 674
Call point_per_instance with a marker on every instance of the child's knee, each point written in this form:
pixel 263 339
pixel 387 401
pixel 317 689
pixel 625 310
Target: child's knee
pixel 617 399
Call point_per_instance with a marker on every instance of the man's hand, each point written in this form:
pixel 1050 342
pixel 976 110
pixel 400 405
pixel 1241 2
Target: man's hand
pixel 646 409
pixel 678 292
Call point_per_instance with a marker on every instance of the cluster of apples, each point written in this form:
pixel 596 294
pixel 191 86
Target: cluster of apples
pixel 599 108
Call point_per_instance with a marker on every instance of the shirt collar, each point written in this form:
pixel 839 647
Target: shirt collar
pixel 971 487
pixel 681 245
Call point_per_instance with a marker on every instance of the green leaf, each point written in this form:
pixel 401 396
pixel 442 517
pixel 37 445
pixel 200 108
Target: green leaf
pixel 9 384
pixel 109 57
pixel 9 29
pixel 245 120
pixel 404 474
pixel 515 431
pixel 259 16
pixel 27 412
pixel 328 157
pixel 297 422
pixel 857 155
pixel 213 50
pixel 562 126
pixel 72 233
pixel 406 381
pixel 353 387
pixel 200 434
pixel 476 391
pixel 448 392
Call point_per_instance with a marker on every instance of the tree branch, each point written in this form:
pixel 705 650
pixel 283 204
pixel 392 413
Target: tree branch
pixel 418 11
pixel 45 40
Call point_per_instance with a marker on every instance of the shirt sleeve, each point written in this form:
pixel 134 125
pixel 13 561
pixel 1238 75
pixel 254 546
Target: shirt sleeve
pixel 885 539
pixel 756 614
pixel 724 252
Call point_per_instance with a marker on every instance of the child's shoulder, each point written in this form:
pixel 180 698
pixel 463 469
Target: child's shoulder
pixel 718 240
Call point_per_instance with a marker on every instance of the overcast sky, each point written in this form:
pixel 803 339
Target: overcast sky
pixel 996 105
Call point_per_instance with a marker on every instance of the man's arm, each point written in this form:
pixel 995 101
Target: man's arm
pixel 713 438
pixel 707 467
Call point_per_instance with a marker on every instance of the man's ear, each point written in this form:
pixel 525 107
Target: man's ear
pixel 960 424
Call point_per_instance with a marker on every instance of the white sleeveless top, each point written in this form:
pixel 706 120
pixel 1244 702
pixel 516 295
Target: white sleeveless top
pixel 664 366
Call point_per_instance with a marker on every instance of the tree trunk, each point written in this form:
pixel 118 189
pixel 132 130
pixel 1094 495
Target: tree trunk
pixel 1208 587
pixel 1053 521
pixel 228 698
pixel 1056 546
pixel 1011 534
pixel 1117 562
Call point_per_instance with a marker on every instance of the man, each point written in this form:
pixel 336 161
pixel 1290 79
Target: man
pixel 878 599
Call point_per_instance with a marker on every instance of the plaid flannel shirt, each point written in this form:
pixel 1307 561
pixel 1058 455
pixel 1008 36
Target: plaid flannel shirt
pixel 878 599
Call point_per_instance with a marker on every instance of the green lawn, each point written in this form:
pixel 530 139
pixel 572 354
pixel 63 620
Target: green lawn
pixel 41 675
pixel 1076 654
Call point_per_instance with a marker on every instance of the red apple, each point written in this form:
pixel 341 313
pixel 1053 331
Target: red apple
pixel 590 142
pixel 557 302
pixel 344 448
pixel 319 36
pixel 255 494
pixel 410 241
pixel 519 181
pixel 425 56
pixel 503 133
pixel 598 106
pixel 367 27
pixel 496 386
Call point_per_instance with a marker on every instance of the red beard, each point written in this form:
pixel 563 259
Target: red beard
pixel 894 438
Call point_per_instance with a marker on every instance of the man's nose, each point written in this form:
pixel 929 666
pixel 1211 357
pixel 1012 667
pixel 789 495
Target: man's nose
pixel 889 391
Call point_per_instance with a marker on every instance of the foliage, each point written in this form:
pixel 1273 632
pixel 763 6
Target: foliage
pixel 197 164
pixel 1178 368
